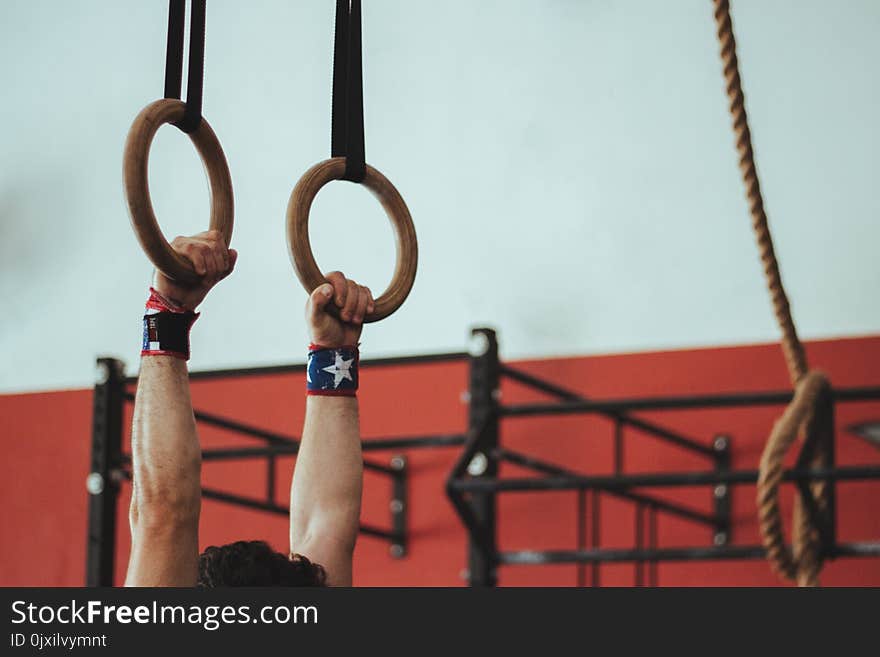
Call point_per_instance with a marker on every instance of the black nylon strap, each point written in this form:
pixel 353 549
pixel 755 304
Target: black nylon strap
pixel 347 129
pixel 192 118
pixel 174 51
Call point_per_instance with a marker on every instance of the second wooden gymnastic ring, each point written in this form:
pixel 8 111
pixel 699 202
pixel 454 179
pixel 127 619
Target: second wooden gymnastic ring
pixel 137 190
pixel 301 250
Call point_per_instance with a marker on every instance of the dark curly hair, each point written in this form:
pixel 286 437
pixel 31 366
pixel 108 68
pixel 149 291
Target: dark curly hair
pixel 254 563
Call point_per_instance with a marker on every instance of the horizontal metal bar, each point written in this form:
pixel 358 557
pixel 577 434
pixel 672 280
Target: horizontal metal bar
pixel 379 467
pixel 680 402
pixel 415 442
pixel 528 557
pixel 863 393
pixel 233 453
pixel 236 453
pixel 277 509
pixel 648 427
pixel 662 505
pixel 618 482
pixel 300 367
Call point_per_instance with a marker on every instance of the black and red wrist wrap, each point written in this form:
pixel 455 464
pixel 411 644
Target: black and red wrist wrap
pixel 166 328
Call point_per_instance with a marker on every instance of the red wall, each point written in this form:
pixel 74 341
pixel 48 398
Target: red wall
pixel 46 442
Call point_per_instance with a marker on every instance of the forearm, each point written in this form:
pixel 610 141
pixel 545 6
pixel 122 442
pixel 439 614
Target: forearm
pixel 166 457
pixel 325 496
pixel 326 490
pixel 166 491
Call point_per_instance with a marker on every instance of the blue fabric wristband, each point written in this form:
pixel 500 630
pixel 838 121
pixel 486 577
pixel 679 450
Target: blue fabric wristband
pixel 332 371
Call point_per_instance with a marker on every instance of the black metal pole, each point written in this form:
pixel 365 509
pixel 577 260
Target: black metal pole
pixel 102 486
pixel 640 544
pixel 414 442
pixel 271 471
pixel 535 558
pixel 721 497
pixel 652 545
pixel 367 445
pixel 830 447
pixel 618 446
pixel 595 534
pixel 677 403
pixel 841 473
pixel 399 507
pixel 483 418
pixel 581 534
pixel 269 453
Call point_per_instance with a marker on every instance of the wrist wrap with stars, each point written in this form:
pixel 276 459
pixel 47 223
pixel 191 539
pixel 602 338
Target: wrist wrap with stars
pixel 332 371
pixel 166 328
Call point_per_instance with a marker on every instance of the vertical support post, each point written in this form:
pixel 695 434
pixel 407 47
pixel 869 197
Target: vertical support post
pixel 484 387
pixel 829 447
pixel 721 492
pixel 595 538
pixel 618 446
pixel 640 544
pixel 398 507
pixel 652 545
pixel 581 535
pixel 102 486
pixel 271 471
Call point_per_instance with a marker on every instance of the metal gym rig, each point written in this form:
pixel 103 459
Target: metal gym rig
pixel 474 484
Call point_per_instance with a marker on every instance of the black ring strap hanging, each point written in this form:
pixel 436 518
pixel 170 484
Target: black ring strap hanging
pixel 192 118
pixel 347 131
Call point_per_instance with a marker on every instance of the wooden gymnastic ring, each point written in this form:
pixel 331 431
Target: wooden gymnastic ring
pixel 137 189
pixel 301 250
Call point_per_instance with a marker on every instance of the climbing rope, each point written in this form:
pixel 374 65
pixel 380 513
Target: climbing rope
pixel 804 561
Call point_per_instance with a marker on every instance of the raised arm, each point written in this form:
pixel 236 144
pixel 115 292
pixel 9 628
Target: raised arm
pixel 325 497
pixel 166 457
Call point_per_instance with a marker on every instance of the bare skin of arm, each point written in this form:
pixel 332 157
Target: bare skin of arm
pixel 325 496
pixel 166 493
pixel 166 456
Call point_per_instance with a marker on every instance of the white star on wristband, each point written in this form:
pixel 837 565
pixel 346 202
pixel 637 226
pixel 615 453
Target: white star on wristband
pixel 340 369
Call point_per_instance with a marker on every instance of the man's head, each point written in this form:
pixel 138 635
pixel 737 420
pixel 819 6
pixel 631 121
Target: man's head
pixel 254 563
